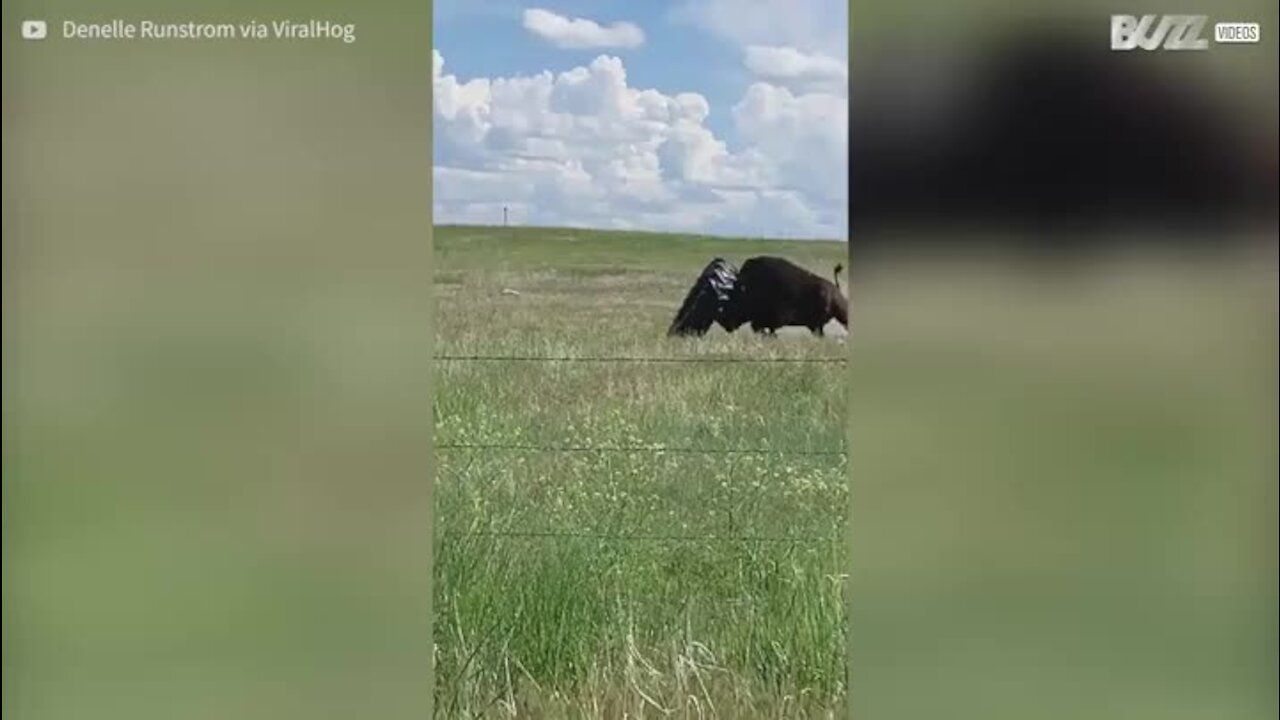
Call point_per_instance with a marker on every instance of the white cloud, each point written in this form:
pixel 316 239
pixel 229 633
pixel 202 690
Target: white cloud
pixel 805 136
pixel 584 148
pixel 809 25
pixel 580 33
pixel 799 71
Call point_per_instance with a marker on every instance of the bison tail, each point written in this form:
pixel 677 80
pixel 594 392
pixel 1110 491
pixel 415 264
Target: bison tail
pixel 839 267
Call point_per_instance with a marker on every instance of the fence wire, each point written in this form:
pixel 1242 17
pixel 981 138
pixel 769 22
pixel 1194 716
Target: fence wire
pixel 656 449
pixel 635 537
pixel 640 537
pixel 638 360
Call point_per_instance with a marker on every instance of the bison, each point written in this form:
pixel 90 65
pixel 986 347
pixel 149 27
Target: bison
pixel 767 293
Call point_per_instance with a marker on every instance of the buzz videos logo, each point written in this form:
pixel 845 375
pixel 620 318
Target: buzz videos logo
pixel 1176 32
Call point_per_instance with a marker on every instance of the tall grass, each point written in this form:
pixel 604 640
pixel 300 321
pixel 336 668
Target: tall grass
pixel 630 581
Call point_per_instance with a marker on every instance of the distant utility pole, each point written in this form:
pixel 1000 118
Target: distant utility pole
pixel 504 216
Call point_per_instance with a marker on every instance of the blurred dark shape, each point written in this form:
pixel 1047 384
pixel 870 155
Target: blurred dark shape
pixel 1053 138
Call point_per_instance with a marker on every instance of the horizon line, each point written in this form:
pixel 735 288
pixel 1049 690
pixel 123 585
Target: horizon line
pixel 692 235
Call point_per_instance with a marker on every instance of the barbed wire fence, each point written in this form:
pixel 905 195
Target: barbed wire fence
pixel 639 360
pixel 559 535
pixel 632 449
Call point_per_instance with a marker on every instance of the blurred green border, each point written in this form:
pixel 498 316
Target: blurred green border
pixel 430 386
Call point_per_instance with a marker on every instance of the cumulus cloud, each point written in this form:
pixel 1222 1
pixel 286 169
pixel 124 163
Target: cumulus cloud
pixel 803 136
pixel 583 147
pixel 580 33
pixel 799 71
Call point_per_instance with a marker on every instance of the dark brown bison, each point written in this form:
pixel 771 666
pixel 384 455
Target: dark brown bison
pixel 767 293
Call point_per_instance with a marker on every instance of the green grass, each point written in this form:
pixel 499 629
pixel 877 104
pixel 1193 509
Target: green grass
pixel 632 582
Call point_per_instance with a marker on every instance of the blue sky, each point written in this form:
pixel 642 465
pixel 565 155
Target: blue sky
pixel 488 40
pixel 717 116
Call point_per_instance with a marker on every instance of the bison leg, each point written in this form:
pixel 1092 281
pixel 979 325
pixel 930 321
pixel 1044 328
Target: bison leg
pixel 818 330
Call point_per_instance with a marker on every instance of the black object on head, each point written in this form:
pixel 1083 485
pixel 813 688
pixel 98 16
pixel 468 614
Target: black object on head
pixel 708 301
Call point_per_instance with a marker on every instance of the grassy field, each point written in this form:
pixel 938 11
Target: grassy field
pixel 595 576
